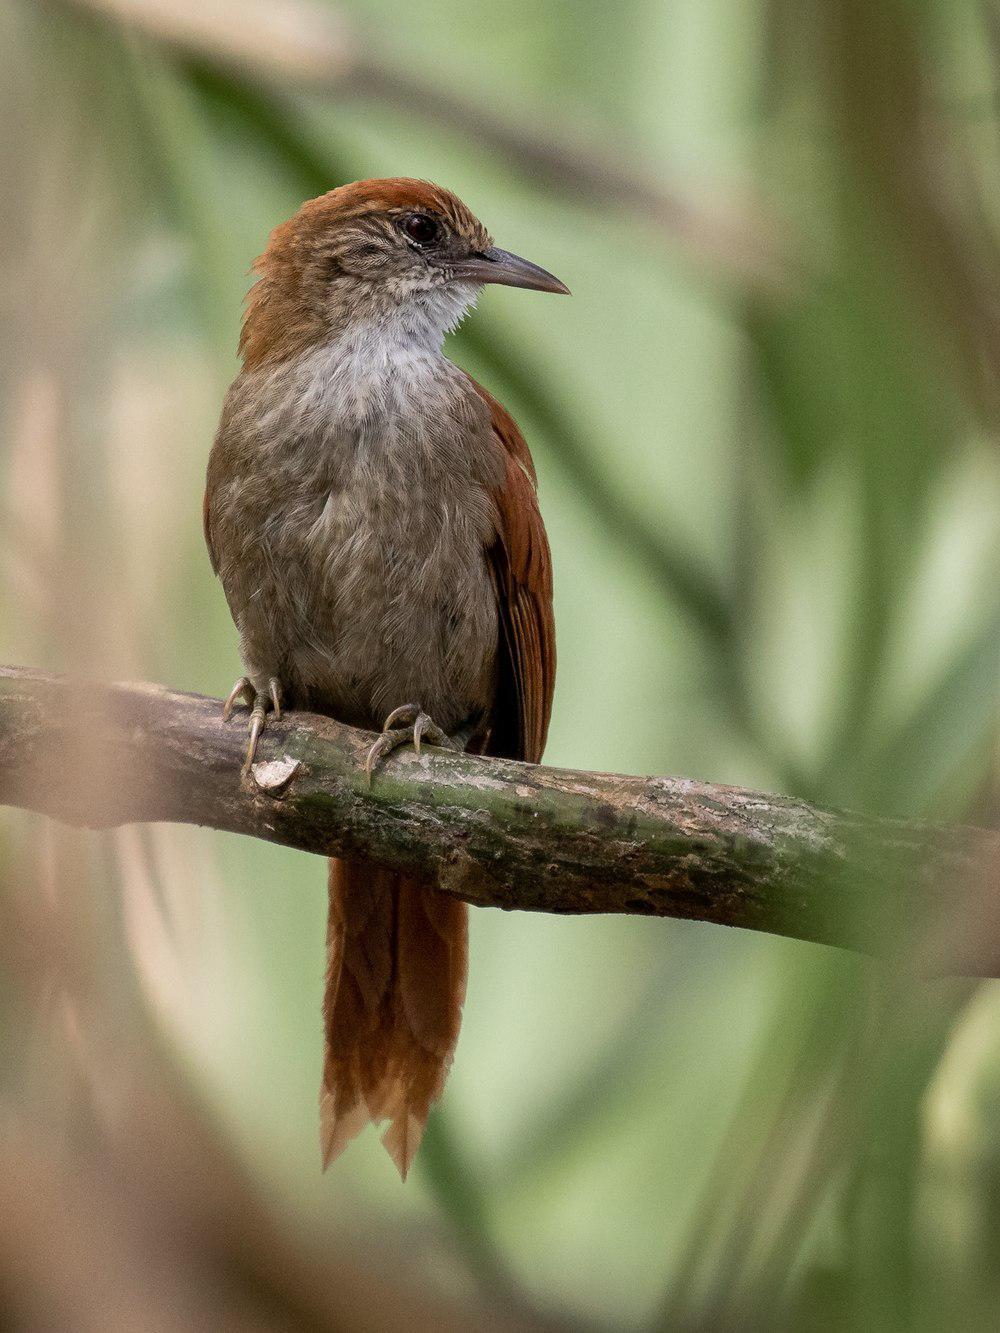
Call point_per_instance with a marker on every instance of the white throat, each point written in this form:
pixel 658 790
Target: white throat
pixel 417 325
pixel 391 364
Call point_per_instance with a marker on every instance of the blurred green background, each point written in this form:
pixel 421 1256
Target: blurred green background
pixel 766 433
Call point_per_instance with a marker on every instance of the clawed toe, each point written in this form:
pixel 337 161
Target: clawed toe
pixel 257 700
pixel 405 713
pixel 243 691
pixel 426 726
pixel 386 743
pixel 258 719
pixel 419 726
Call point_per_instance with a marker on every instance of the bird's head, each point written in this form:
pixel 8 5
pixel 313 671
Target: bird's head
pixel 398 253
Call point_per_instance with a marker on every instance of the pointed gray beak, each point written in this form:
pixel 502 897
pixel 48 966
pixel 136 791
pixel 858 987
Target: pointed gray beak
pixel 507 270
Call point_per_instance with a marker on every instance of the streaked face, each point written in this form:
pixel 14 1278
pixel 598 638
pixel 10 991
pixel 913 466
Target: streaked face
pixel 406 250
pixel 396 250
pixel 422 246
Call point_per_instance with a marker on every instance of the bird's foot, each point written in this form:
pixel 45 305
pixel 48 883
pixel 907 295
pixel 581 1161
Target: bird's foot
pixel 408 723
pixel 258 698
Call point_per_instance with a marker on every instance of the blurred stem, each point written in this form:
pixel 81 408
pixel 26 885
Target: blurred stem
pixel 311 48
pixel 606 1086
pixel 176 136
pixel 919 293
pixel 455 1182
pixel 778 1097
pixel 908 1029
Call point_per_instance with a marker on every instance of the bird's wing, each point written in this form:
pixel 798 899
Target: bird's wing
pixel 521 567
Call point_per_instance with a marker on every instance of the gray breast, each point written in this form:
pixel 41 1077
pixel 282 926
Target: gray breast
pixel 369 587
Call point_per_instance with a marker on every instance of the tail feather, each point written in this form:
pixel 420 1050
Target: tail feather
pixel 394 991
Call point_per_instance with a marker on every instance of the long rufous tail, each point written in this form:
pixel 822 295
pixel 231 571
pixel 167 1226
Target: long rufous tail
pixel 397 961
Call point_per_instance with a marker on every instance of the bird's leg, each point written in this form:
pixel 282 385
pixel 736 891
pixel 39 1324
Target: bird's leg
pixel 257 697
pixel 417 726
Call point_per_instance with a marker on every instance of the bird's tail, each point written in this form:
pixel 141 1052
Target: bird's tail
pixel 397 959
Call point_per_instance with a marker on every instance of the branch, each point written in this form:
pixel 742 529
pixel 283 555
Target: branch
pixel 295 44
pixel 498 833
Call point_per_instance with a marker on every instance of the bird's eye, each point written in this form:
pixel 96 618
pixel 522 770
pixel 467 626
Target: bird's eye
pixel 422 230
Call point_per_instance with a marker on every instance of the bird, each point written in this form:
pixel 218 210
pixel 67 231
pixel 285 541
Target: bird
pixel 372 514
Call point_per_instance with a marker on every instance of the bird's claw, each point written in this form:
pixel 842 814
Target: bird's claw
pixel 257 700
pixel 243 691
pixel 406 713
pixel 258 717
pixel 417 727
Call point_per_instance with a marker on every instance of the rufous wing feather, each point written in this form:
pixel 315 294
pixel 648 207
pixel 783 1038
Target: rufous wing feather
pixel 521 566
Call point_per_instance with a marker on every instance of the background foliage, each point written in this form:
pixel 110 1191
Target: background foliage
pixel 765 428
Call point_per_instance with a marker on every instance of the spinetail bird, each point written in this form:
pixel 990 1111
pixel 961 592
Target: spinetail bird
pixel 371 512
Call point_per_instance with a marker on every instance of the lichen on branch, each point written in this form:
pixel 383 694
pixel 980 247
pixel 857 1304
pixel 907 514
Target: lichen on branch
pixel 504 834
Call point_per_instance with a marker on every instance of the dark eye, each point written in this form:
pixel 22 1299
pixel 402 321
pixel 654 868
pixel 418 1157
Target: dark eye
pixel 422 230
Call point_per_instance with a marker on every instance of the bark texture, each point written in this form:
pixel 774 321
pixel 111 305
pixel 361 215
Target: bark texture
pixel 505 834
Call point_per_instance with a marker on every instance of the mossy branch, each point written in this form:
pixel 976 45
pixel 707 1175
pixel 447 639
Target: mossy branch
pixel 504 834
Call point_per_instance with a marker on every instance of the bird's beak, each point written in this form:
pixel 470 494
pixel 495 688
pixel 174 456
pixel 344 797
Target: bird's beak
pixel 507 270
